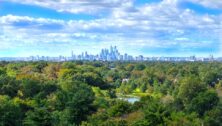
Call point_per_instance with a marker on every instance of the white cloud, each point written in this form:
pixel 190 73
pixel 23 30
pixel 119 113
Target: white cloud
pixel 157 25
pixel 12 18
pixel 78 6
pixel 216 4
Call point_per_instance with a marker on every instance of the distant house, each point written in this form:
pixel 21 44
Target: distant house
pixel 113 68
pixel 125 80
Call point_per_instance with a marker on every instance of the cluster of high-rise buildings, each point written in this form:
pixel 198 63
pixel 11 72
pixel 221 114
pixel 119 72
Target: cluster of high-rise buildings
pixel 111 54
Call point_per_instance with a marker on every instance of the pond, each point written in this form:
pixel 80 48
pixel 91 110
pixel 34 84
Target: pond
pixel 130 99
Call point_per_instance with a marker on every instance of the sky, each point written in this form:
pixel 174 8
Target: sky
pixel 146 27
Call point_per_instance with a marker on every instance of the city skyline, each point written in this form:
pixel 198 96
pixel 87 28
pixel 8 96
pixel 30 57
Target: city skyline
pixel 111 54
pixel 170 28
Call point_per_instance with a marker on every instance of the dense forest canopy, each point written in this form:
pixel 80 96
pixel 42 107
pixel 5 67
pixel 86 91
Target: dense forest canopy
pixel 88 93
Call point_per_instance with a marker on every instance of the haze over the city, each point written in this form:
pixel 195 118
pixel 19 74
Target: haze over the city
pixel 137 27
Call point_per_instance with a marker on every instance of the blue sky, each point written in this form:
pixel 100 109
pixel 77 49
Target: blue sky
pixel 147 27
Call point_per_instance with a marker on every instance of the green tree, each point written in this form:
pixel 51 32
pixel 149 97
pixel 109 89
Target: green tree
pixel 75 101
pixel 190 87
pixel 114 123
pixel 98 118
pixel 203 102
pixel 214 116
pixel 8 86
pixel 119 108
pixel 182 119
pixel 140 66
pixel 30 88
pixel 10 112
pixel 38 117
pixel 39 66
pixel 2 71
pixel 154 112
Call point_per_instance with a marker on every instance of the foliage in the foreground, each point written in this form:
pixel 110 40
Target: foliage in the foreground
pixel 86 94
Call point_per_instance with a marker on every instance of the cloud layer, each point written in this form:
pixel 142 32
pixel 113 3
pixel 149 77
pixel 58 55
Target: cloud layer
pixel 164 28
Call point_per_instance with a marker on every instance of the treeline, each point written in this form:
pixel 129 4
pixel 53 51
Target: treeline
pixel 86 93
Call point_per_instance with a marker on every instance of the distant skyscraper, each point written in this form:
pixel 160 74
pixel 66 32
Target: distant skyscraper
pixel 72 54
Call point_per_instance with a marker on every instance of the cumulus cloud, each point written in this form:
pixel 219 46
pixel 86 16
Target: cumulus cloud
pixel 159 25
pixel 217 4
pixel 78 6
